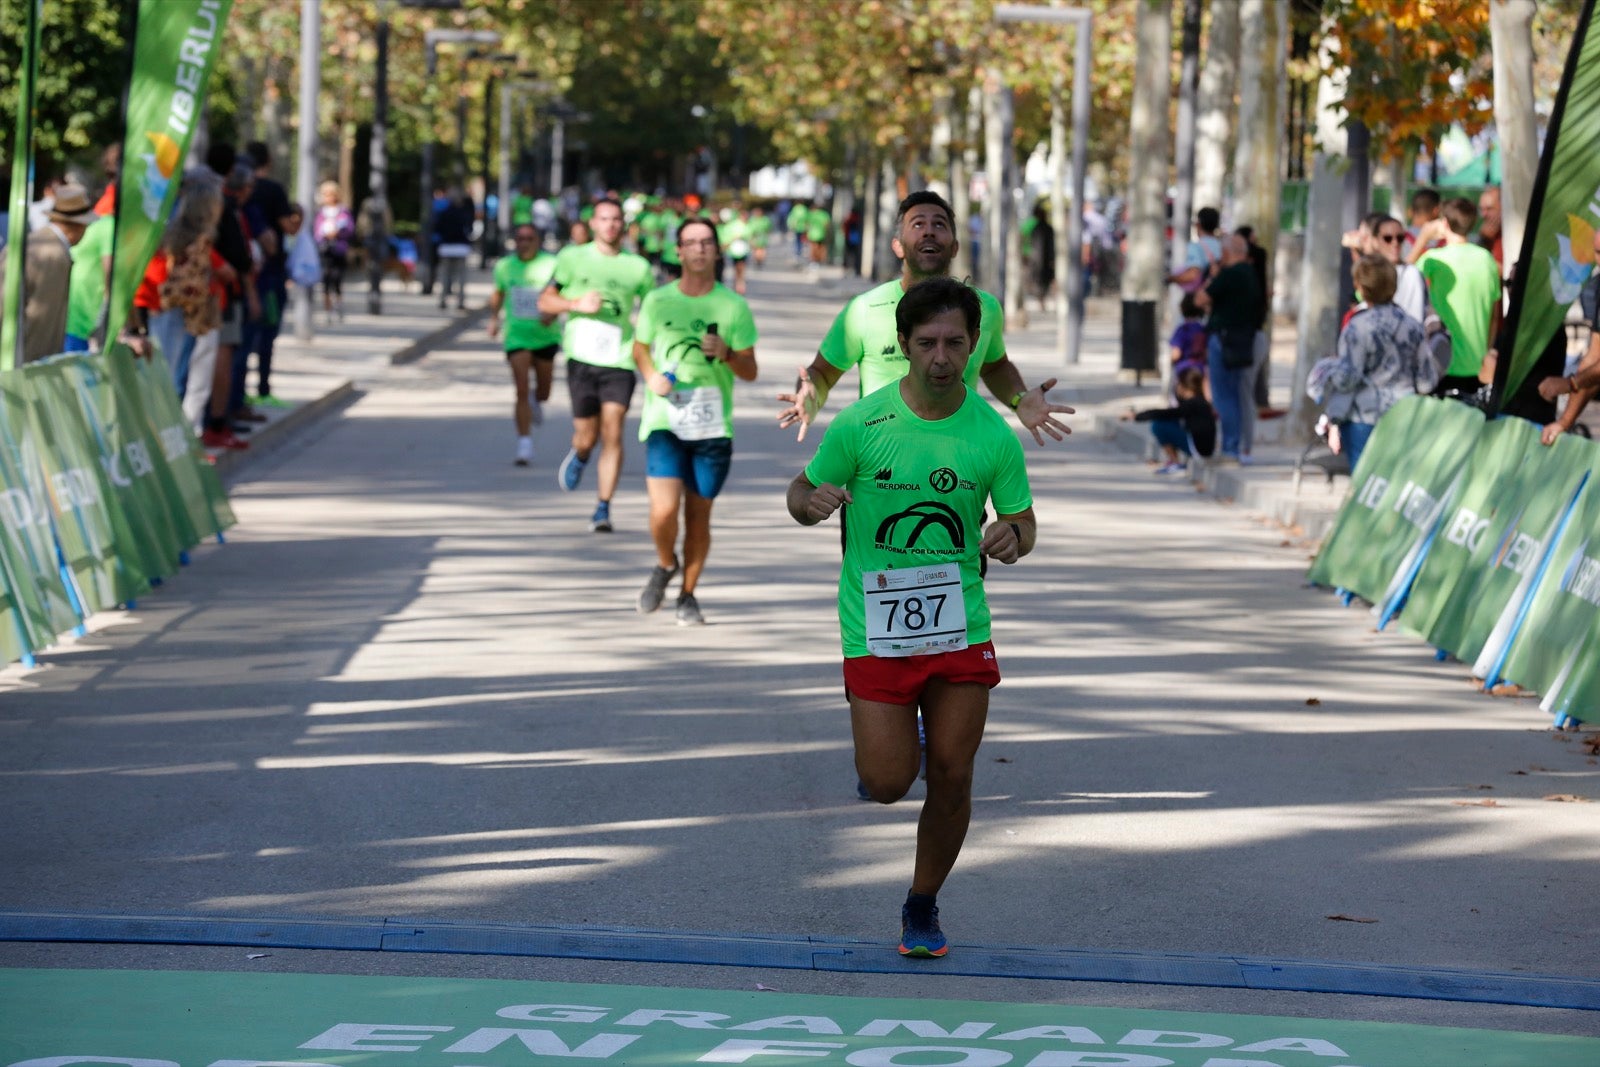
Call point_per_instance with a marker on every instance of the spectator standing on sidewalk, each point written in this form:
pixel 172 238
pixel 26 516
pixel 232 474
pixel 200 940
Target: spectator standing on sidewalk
pixel 1204 255
pixel 1464 282
pixel 1254 399
pixel 1489 235
pixel 1380 359
pixel 334 229
pixel 268 213
pixel 47 271
pixel 1234 301
pixel 453 237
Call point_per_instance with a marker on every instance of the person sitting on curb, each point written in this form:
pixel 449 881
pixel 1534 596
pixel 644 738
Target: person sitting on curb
pixel 1191 420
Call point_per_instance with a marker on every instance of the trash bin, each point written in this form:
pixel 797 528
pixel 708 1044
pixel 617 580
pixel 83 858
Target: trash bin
pixel 1139 343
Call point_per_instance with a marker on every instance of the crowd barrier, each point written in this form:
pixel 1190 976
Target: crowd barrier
pixel 103 490
pixel 1482 541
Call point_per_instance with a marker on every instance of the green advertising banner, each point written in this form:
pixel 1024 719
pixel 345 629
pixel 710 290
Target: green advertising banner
pixel 1399 492
pixel 20 193
pixel 87 518
pixel 56 1018
pixel 1576 693
pixel 1558 253
pixel 1489 548
pixel 117 367
pixel 175 48
pixel 1558 627
pixel 199 489
pixel 31 574
pixel 128 469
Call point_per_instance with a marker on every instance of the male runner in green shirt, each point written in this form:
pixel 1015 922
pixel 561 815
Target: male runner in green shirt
pixel 864 333
pixel 919 463
pixel 693 339
pixel 531 339
pixel 596 286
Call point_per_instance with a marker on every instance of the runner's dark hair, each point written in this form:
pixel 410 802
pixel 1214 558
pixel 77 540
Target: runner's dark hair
pixel 613 201
pixel 704 220
pixel 935 296
pixel 1208 219
pixel 917 199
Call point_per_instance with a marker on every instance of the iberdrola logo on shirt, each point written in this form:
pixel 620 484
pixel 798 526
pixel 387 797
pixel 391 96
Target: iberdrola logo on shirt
pixel 927 526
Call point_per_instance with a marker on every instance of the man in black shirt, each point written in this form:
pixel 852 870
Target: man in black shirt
pixel 1236 304
pixel 267 213
pixel 232 243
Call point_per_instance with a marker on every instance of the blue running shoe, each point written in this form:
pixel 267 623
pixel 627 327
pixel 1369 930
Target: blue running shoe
pixel 570 473
pixel 920 935
pixel 600 521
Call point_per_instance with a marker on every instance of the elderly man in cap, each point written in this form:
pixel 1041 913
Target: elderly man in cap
pixel 47 272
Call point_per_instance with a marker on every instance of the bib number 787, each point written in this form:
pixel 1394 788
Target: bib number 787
pixel 916 611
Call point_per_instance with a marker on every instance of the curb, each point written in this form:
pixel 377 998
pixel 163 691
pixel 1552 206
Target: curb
pixel 419 348
pixel 272 436
pixel 1267 496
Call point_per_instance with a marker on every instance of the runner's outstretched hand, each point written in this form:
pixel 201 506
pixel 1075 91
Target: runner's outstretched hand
pixel 802 404
pixel 1035 412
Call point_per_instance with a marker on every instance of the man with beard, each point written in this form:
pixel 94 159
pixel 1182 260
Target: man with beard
pixel 596 286
pixel 864 334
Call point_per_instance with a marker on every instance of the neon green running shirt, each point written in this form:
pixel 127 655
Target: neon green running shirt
pixel 522 280
pixel 604 339
pixel 864 335
pixel 672 325
pixel 918 492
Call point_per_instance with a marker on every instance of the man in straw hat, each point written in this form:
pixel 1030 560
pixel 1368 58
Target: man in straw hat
pixel 47 272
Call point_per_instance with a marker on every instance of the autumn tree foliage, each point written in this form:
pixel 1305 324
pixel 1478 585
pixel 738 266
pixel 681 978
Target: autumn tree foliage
pixel 1415 69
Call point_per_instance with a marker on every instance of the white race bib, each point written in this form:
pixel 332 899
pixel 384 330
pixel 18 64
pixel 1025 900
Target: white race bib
pixel 915 611
pixel 593 341
pixel 524 303
pixel 695 414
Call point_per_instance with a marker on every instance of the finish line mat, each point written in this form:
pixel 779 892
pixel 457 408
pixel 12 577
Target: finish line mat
pixel 57 1018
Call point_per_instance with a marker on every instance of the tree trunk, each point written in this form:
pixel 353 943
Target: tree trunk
pixel 1058 203
pixel 1511 24
pixel 887 263
pixel 1320 305
pixel 960 194
pixel 1258 159
pixel 1218 79
pixel 969 159
pixel 1400 170
pixel 1183 160
pixel 1144 277
pixel 870 235
pixel 998 220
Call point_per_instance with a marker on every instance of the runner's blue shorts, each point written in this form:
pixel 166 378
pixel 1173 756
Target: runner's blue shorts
pixel 702 466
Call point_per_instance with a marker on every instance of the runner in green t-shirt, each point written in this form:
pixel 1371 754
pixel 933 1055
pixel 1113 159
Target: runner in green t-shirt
pixel 86 289
pixel 694 338
pixel 760 235
pixel 522 207
pixel 734 237
pixel 864 333
pixel 596 286
pixel 671 217
pixel 818 222
pixel 531 339
pixel 647 229
pixel 919 463
pixel 796 222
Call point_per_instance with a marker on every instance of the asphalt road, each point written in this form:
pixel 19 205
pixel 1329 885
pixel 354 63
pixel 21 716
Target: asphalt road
pixel 413 683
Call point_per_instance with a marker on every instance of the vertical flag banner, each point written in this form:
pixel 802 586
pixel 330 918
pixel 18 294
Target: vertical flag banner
pixel 175 48
pixel 21 193
pixel 28 567
pixel 1558 253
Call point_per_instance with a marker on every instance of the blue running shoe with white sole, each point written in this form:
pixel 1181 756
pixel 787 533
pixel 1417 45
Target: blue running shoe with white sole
pixel 600 521
pixel 570 473
pixel 920 935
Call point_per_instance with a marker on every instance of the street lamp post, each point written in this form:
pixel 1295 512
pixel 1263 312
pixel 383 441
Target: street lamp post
pixel 1069 311
pixel 306 183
